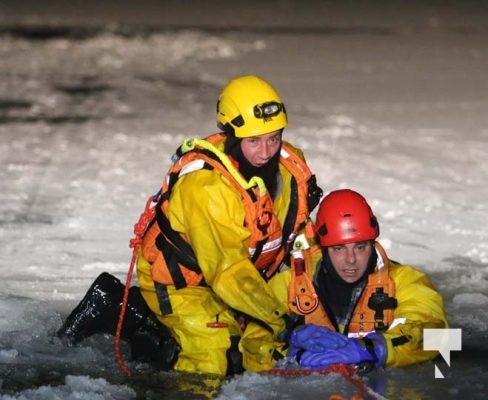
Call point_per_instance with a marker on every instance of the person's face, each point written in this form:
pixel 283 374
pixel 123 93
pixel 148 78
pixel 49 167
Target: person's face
pixel 350 260
pixel 258 150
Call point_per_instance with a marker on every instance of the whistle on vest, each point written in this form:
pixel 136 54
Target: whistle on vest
pixel 302 296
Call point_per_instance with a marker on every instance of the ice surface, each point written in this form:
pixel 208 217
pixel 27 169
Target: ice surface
pixel 77 388
pixel 393 104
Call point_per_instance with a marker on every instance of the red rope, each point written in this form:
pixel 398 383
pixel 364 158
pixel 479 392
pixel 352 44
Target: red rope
pixel 347 371
pixel 139 229
pixel 125 369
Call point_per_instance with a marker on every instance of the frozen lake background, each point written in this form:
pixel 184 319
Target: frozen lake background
pixel 387 98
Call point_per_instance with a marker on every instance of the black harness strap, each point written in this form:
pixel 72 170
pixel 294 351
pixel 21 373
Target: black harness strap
pixel 174 243
pixel 170 256
pixel 398 341
pixel 291 216
pixel 163 298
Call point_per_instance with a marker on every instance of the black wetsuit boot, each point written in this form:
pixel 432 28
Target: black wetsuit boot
pixel 98 312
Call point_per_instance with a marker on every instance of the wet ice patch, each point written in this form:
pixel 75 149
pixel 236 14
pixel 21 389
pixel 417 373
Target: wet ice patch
pixel 77 388
pixel 476 299
pixel 8 308
pixel 252 386
pixel 7 356
pixel 104 266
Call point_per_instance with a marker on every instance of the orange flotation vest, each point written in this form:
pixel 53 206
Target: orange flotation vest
pixel 374 310
pixel 172 258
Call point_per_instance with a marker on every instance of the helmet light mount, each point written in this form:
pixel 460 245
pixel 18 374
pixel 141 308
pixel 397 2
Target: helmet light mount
pixel 268 110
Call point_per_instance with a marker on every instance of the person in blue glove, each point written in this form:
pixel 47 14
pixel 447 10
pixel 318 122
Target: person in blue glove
pixel 371 310
pixel 358 306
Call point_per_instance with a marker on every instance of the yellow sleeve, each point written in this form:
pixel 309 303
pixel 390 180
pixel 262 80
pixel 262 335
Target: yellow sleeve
pixel 209 212
pixel 257 344
pixel 419 306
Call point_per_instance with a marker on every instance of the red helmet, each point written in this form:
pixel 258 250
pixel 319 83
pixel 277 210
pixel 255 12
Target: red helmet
pixel 343 217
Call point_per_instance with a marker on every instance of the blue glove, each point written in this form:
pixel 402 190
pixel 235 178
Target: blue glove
pixel 316 338
pixel 371 349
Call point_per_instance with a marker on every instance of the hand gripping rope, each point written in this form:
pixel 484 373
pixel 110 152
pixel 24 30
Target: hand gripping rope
pixel 139 229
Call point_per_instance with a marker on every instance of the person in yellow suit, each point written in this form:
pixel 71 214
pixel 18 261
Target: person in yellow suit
pixel 358 306
pixel 226 217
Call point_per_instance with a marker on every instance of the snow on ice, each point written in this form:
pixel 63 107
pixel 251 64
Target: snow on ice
pixel 394 108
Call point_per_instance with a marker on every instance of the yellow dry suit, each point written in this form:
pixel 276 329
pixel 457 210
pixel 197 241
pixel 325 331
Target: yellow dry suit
pixel 215 241
pixel 398 301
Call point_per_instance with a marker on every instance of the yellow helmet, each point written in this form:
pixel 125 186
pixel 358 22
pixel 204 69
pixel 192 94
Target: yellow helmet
pixel 251 107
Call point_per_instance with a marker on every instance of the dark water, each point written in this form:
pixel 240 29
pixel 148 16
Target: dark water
pixel 465 378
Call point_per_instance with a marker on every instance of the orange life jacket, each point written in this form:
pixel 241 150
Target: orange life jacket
pixel 374 310
pixel 172 258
